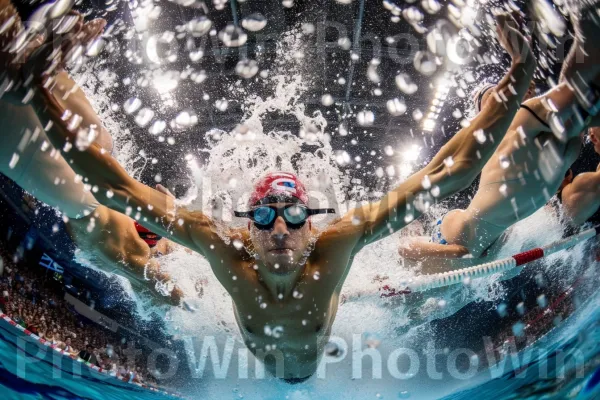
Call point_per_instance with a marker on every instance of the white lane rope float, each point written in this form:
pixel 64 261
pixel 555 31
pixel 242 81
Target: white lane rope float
pixel 427 282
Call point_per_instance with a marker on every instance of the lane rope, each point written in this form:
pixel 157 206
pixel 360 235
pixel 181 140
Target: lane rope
pixel 427 282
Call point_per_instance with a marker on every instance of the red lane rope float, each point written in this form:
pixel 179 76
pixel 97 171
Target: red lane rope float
pixel 427 282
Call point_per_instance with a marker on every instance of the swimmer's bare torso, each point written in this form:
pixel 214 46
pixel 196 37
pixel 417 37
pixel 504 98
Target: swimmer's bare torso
pixel 295 325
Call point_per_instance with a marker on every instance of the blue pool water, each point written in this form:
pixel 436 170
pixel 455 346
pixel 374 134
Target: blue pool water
pixel 565 363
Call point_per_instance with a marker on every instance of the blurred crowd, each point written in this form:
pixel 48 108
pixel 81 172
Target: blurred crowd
pixel 34 300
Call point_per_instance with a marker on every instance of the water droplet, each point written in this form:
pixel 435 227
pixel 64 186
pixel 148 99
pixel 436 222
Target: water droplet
pixel 345 2
pixel 426 182
pixel 60 8
pixel 542 301
pixel 503 189
pixel 480 136
pixel 304 322
pixel 316 275
pixel 144 116
pixel 13 161
pixel 417 114
pixel 132 105
pixel 388 150
pixel 344 43
pixel 501 309
pixel 199 26
pixel 504 161
pixel 184 120
pixel 238 244
pixel 222 104
pixel 94 48
pixel 372 73
pixel 233 36
pixel 157 127
pixel 518 329
pixel 457 114
pixel 405 84
pixel 254 22
pixel 85 137
pixel 449 162
pixel 396 107
pixel 342 157
pixel 326 100
pixel 246 68
pixel 365 118
pixel 521 308
pixel 287 3
pixel 297 295
pixel 435 191
pixel 431 6
pixel 425 63
pixel 263 305
pixel 405 394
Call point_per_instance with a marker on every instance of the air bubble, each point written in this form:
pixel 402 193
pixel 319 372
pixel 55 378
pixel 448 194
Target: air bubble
pixel 365 118
pixel 326 100
pixel 246 68
pixel 132 105
pixel 199 26
pixel 396 107
pixel 233 36
pixel 405 84
pixel 144 116
pixel 254 22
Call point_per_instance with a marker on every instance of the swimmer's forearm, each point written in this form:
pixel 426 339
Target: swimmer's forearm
pixel 116 189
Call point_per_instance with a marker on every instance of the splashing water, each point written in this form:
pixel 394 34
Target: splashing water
pixel 223 172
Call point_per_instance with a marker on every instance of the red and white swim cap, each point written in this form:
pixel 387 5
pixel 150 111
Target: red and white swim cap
pixel 278 184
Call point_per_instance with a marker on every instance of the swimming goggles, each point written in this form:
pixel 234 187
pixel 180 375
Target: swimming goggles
pixel 294 215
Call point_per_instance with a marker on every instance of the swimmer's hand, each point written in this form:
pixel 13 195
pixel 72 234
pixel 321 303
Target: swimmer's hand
pixel 160 283
pixel 509 36
pixel 25 54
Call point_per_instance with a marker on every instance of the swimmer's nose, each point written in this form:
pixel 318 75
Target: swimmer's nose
pixel 280 230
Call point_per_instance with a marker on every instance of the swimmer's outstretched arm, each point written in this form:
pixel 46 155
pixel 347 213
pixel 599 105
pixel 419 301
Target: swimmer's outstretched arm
pixel 458 162
pixel 117 190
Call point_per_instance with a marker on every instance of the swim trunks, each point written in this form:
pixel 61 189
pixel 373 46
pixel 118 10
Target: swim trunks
pixel 436 236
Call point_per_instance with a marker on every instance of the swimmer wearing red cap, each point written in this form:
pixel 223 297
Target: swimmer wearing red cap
pixel 109 238
pixel 284 276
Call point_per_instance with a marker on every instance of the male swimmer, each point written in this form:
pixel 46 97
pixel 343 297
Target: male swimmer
pixel 286 278
pixel 113 240
pixel 529 164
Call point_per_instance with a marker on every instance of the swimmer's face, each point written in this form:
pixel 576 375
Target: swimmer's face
pixel 594 135
pixel 281 248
